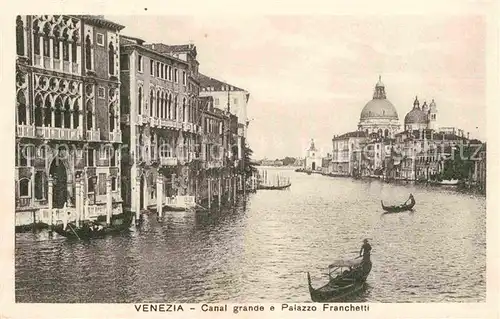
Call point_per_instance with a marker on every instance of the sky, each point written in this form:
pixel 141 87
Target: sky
pixel 309 77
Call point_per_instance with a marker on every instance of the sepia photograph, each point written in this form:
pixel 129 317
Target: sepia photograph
pixel 305 160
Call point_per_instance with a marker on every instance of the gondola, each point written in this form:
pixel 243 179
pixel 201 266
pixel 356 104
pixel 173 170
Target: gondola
pixel 344 284
pixel 95 229
pixel 274 187
pixel 399 208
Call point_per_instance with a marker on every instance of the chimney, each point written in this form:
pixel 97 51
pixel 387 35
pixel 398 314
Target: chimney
pixel 468 134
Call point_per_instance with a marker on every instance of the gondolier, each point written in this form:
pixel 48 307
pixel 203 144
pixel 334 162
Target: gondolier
pixel 365 250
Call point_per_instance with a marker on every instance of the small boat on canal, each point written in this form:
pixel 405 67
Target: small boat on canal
pixel 400 208
pixel 346 278
pixel 95 229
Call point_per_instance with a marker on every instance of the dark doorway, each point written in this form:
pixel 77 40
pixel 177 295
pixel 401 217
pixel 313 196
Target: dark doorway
pixel 60 182
pixel 313 166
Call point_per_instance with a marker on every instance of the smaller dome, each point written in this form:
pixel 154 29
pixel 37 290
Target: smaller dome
pixel 416 116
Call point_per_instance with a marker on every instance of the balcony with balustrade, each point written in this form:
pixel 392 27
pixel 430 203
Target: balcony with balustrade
pixel 93 135
pixel 50 133
pixel 115 136
pixel 168 161
pixel 27 131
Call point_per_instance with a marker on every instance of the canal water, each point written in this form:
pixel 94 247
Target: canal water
pixel 262 250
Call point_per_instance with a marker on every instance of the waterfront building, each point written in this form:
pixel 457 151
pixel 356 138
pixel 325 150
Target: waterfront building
pixel 67 115
pixel 379 115
pixel 421 118
pixel 346 147
pixel 313 160
pixel 228 97
pixel 161 122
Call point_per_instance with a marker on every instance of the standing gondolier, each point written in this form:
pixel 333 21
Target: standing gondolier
pixel 365 250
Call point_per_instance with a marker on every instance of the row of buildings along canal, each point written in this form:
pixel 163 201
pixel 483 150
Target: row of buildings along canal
pixel 421 151
pixel 107 123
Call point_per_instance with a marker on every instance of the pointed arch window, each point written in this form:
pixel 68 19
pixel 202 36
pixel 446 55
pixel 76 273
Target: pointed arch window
pixel 139 102
pixel 111 118
pixel 38 111
pixel 162 106
pixel 21 108
pixel 176 108
pixel 111 59
pixel 48 112
pixel 67 114
pixel 24 187
pixel 89 115
pixel 169 106
pixel 184 110
pixel 55 44
pixel 76 114
pixel 19 36
pixel 65 52
pixel 151 102
pixel 74 48
pixel 46 41
pixel 88 53
pixel 36 38
pixel 157 114
pixel 58 112
pixel 40 185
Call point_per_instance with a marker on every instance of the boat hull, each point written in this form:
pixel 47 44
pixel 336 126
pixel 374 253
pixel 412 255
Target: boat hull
pixel 73 232
pixel 274 187
pixel 398 209
pixel 339 290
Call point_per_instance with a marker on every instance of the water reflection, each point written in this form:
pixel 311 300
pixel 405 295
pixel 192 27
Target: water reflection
pixel 262 252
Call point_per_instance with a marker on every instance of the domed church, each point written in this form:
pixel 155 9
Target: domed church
pixel 379 115
pixel 420 118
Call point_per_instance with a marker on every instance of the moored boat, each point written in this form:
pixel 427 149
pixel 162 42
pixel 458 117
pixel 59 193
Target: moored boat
pixel 95 229
pixel 350 278
pixel 400 208
pixel 273 187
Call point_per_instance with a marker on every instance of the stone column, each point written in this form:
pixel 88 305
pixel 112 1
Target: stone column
pixel 109 201
pixel 159 195
pixel 219 190
pixel 77 201
pixel 137 200
pixel 83 212
pixel 49 195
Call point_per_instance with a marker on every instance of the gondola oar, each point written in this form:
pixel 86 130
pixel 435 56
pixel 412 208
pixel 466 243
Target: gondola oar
pixel 74 232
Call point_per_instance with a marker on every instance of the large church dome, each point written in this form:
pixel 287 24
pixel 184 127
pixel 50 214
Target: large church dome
pixel 379 107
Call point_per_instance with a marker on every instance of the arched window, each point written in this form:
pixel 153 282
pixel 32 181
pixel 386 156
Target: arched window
pixel 40 185
pixel 74 48
pixel 48 112
pixel 76 114
pixel 89 115
pixel 113 184
pixel 184 110
pixel 21 108
pixel 151 102
pixel 162 106
pixel 111 59
pixel 46 41
pixel 55 44
pixel 111 118
pixel 175 108
pixel 65 52
pixel 169 106
pixel 19 36
pixel 386 133
pixel 88 53
pixel 38 110
pixel 58 112
pixel 157 114
pixel 36 38
pixel 139 102
pixel 24 187
pixel 67 114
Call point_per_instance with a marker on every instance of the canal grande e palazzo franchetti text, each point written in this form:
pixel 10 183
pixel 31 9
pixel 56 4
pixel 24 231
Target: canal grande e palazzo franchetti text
pixel 107 123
